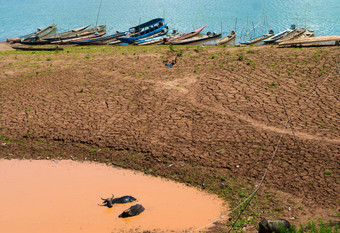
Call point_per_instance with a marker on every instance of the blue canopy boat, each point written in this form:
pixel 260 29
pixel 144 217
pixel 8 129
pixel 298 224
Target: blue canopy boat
pixel 144 30
pixel 154 36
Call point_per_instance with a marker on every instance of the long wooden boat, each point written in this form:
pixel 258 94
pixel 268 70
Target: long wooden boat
pixel 37 48
pixel 294 35
pixel 259 39
pixel 67 34
pixel 277 36
pixel 87 37
pixel 186 35
pixel 144 30
pixel 41 33
pixel 227 39
pixel 318 39
pixel 76 36
pixel 101 40
pixel 35 35
pixel 196 39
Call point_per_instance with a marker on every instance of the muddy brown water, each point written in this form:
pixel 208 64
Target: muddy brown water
pixel 64 196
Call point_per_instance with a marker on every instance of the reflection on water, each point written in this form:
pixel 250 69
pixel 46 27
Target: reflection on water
pixel 65 196
pixel 20 17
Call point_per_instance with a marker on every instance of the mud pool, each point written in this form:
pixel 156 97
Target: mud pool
pixel 64 196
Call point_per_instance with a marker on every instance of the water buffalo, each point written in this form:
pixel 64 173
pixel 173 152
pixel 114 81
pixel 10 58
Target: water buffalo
pixel 120 200
pixel 273 225
pixel 108 201
pixel 132 211
pixel 124 199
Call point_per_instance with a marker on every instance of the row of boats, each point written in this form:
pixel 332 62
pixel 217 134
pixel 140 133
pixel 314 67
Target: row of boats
pixel 155 31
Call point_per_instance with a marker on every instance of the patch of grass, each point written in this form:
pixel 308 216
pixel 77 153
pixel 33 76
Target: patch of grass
pixel 273 85
pixel 259 148
pixel 328 172
pixel 93 151
pixel 171 47
pixel 312 227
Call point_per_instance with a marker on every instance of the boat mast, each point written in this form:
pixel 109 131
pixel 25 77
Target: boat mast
pixel 101 1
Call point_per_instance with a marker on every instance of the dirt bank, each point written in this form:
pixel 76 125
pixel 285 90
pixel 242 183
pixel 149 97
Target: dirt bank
pixel 213 120
pixel 5 47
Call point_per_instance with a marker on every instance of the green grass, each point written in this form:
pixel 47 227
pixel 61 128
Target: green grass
pixel 312 227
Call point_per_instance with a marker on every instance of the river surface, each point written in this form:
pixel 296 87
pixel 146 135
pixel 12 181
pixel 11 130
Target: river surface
pixel 20 17
pixel 65 196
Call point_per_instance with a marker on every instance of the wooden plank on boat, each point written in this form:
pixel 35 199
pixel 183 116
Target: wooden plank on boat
pixel 311 40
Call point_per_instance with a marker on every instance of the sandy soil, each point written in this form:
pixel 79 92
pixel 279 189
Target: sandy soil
pixel 213 118
pixel 5 47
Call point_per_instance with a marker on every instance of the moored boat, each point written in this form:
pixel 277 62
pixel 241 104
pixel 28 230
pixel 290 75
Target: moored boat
pixel 159 39
pixel 35 35
pixel 196 39
pixel 69 41
pixel 66 34
pixel 37 48
pixel 293 35
pixel 41 33
pixel 259 39
pixel 310 40
pixel 279 35
pixel 308 33
pixel 144 30
pixel 186 35
pixel 227 39
pixel 155 36
pixel 101 40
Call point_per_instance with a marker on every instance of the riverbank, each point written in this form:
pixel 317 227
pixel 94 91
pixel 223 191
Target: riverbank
pixel 212 120
pixel 5 47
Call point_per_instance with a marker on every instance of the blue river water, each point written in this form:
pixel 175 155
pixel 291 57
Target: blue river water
pixel 249 17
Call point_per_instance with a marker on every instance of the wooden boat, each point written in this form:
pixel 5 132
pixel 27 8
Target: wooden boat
pixel 115 42
pixel 101 40
pixel 37 48
pixel 227 39
pixel 144 30
pixel 35 35
pixel 294 35
pixel 65 35
pixel 41 33
pixel 78 34
pixel 186 35
pixel 195 39
pixel 307 34
pixel 278 36
pixel 318 39
pixel 259 39
pixel 69 41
